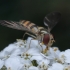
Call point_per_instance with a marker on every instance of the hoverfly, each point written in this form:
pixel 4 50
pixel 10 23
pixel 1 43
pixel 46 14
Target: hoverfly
pixel 40 33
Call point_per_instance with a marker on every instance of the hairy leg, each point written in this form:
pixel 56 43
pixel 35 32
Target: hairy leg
pixel 29 35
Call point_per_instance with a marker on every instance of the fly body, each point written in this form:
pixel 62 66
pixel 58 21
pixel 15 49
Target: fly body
pixel 40 33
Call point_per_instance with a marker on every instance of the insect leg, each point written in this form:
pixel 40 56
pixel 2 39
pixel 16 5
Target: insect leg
pixel 31 39
pixel 38 43
pixel 30 43
pixel 29 35
pixel 46 49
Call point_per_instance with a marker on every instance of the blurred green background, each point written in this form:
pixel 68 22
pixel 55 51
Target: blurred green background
pixel 35 11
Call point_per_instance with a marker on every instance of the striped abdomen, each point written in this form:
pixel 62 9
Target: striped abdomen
pixel 29 25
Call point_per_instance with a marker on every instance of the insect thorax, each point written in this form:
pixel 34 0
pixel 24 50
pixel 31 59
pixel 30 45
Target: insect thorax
pixel 41 32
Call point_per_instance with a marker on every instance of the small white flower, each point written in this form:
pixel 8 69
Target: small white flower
pixel 26 64
pixel 53 52
pixel 4 56
pixel 25 61
pixel 17 52
pixel 1 63
pixel 43 65
pixel 10 48
pixel 61 58
pixel 67 67
pixel 67 56
pixel 37 57
pixel 33 68
pixel 30 53
pixel 8 51
pixel 26 55
pixel 56 66
pixel 20 43
pixel 13 63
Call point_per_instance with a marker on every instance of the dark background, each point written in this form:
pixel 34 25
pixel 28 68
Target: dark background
pixel 35 10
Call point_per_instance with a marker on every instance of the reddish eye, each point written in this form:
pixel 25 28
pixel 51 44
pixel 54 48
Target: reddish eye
pixel 46 38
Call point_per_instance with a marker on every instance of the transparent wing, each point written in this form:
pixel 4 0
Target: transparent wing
pixel 14 25
pixel 52 19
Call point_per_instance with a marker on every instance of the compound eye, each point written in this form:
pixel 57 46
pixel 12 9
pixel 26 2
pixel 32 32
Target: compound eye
pixel 46 38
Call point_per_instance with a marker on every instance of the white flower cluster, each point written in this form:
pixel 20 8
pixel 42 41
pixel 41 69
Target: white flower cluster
pixel 27 55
